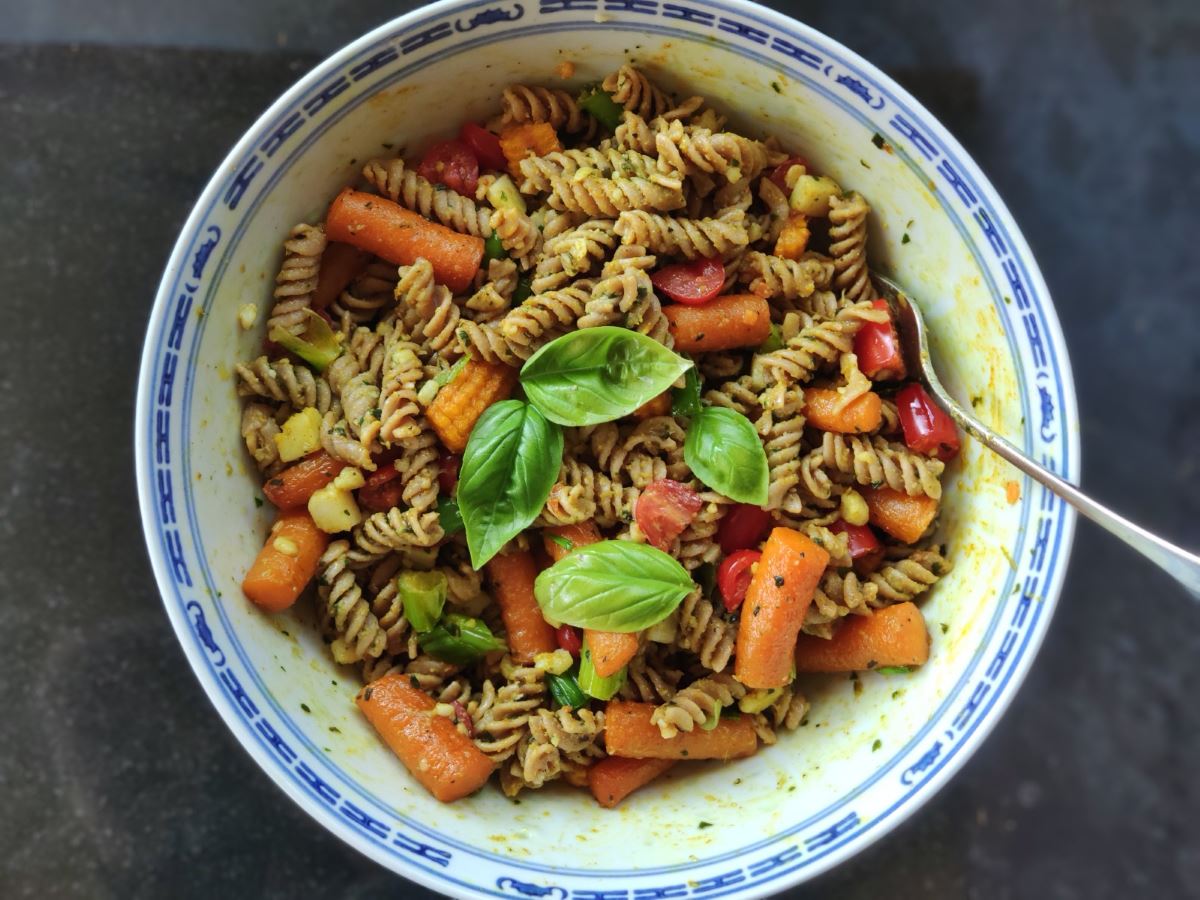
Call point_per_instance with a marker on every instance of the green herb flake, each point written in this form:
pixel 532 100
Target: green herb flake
pixel 905 239
pixel 775 86
pixel 258 502
pixel 335 729
pixel 864 164
pixel 778 581
pixel 706 824
pixel 877 140
pixel 893 670
pixel 875 746
pixel 976 401
pixel 304 706
pixel 945 628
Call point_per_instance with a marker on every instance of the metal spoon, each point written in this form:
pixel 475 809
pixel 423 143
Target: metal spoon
pixel 914 337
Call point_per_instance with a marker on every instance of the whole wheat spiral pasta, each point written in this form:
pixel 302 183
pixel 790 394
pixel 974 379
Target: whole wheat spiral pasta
pixel 649 229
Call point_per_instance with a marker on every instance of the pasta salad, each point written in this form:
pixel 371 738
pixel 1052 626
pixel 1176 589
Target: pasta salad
pixel 595 438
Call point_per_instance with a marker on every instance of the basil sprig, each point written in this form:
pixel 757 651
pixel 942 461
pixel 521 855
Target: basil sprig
pixel 724 451
pixel 510 464
pixel 598 374
pixel 612 586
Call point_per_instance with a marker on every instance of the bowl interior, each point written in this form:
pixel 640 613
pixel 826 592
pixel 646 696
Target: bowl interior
pixel 874 745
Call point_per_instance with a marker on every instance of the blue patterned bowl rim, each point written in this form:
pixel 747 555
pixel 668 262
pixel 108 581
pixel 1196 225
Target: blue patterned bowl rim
pixel 175 544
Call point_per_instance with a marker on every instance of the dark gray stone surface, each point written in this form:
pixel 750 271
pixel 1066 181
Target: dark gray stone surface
pixel 117 778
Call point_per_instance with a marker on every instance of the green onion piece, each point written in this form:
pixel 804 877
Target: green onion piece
pixel 316 344
pixel 460 640
pixel 592 684
pixel 712 721
pixel 563 542
pixel 774 340
pixel 894 670
pixel 685 401
pixel 602 107
pixel 424 596
pixel 446 376
pixel 565 689
pixel 449 515
pixel 493 248
pixel 523 292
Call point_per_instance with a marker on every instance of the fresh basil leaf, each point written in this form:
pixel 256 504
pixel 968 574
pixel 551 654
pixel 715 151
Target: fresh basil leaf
pixel 723 450
pixel 603 108
pixel 612 586
pixel 423 595
pixel 460 640
pixel 594 685
pixel 510 464
pixel 598 374
pixel 566 691
pixel 449 515
pixel 685 401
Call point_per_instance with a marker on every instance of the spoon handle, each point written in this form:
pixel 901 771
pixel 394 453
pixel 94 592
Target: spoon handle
pixel 1183 566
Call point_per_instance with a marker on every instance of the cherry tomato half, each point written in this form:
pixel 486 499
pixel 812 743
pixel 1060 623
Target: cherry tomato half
pixel 692 282
pixel 927 428
pixel 485 146
pixel 453 164
pixel 383 489
pixel 743 526
pixel 877 346
pixel 569 639
pixel 664 509
pixel 448 465
pixel 865 549
pixel 733 577
pixel 779 173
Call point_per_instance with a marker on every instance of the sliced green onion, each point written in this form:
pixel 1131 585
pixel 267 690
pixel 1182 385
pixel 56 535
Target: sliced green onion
pixel 566 691
pixel 592 684
pixel 449 515
pixel 774 340
pixel 424 596
pixel 460 640
pixel 316 344
pixel 894 670
pixel 712 721
pixel 493 248
pixel 602 107
pixel 446 376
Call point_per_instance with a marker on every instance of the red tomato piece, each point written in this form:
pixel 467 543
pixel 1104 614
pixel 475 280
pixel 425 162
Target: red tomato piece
pixel 779 173
pixel 743 526
pixel 383 489
pixel 448 472
pixel 692 282
pixel 569 639
pixel 485 146
pixel 927 427
pixel 453 164
pixel 733 577
pixel 877 346
pixel 665 508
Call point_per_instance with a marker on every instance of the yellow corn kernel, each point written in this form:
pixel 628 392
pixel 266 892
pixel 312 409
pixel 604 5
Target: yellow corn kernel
pixel 854 508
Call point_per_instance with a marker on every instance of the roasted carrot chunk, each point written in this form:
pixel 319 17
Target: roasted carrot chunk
pixel 735 320
pixel 629 732
pixel 530 139
pixel 613 779
pixel 286 563
pixel 861 415
pixel 611 650
pixel 892 636
pixel 512 577
pixel 903 517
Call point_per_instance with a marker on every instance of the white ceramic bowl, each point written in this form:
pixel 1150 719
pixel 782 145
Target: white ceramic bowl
pixel 869 757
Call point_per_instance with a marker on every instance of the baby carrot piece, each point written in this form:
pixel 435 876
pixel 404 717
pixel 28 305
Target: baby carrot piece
pixel 657 406
pixel 446 762
pixel 736 320
pixel 892 636
pixel 400 236
pixel 512 577
pixel 530 139
pixel 286 563
pixel 611 650
pixel 861 415
pixel 614 778
pixel 629 732
pixel 292 487
pixel 784 581
pixel 340 264
pixel 562 539
pixel 903 517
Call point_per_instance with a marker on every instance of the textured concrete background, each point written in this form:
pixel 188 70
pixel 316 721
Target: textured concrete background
pixel 117 778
